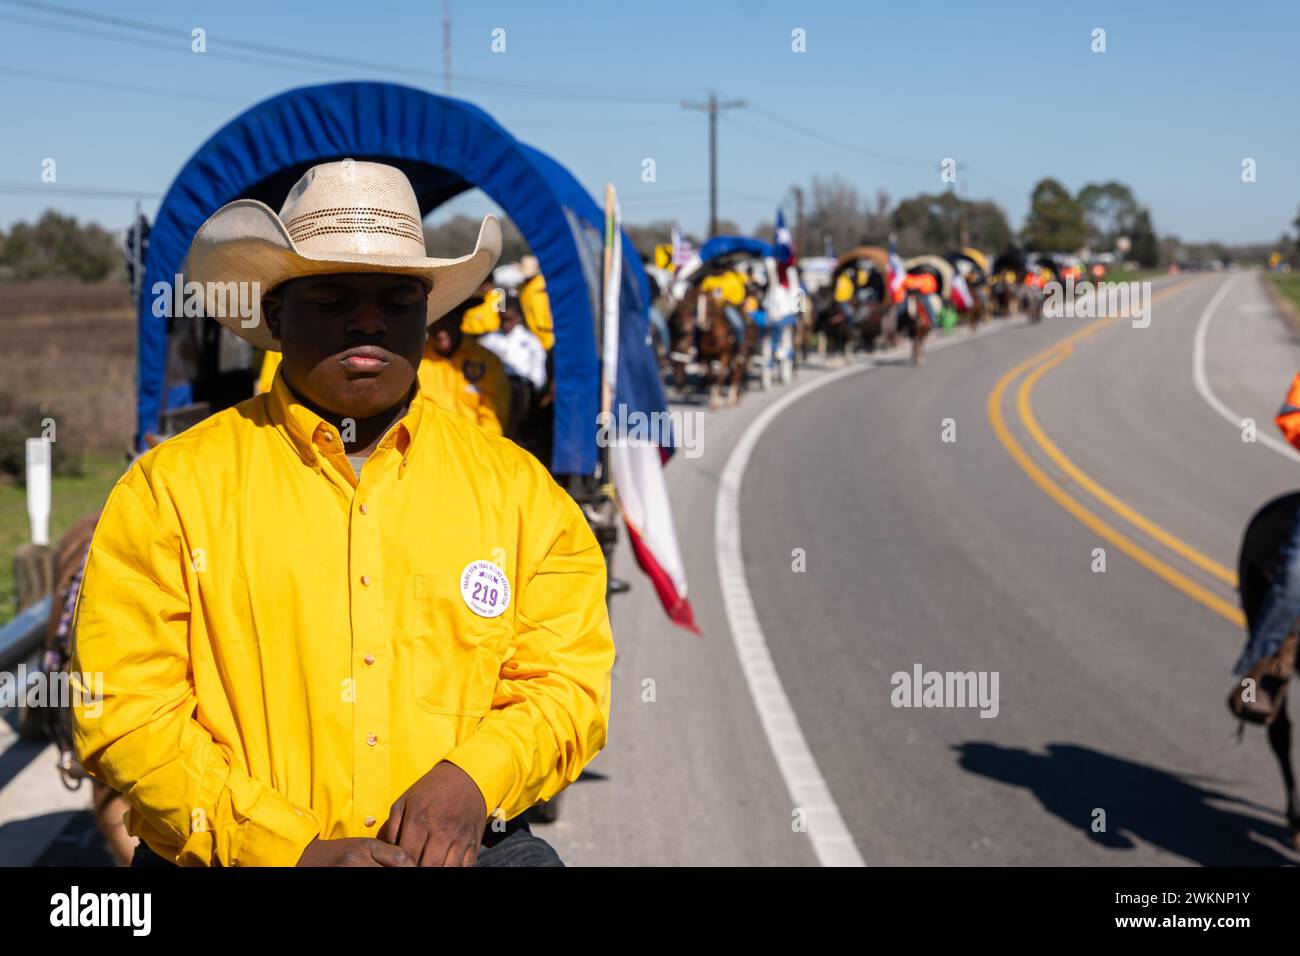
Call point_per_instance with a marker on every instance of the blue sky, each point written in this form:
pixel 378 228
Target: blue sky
pixel 1013 91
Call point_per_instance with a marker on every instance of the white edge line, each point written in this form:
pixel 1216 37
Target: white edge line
pixel 831 840
pixel 1202 381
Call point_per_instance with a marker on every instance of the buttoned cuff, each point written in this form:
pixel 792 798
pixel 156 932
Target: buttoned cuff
pixel 277 841
pixel 490 765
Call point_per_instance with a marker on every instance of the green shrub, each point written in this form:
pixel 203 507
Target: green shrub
pixel 20 421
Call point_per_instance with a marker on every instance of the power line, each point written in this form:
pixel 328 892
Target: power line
pixel 64 28
pixel 840 144
pixel 307 59
pixel 122 87
pixel 14 188
pixel 858 152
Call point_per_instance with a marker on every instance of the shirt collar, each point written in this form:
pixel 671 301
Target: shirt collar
pixel 310 435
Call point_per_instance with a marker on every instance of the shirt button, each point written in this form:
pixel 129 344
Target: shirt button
pixel 362 509
pixel 371 821
pixel 365 580
pixel 372 740
pixel 369 659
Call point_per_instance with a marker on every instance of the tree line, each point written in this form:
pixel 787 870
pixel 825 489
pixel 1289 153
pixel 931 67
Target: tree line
pixel 58 247
pixel 1099 218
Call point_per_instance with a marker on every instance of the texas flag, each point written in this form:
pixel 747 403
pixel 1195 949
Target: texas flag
pixel 897 274
pixel 961 294
pixel 637 466
pixel 783 249
pixel 784 241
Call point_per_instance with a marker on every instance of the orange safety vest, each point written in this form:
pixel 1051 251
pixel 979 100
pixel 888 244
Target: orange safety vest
pixel 921 282
pixel 1288 416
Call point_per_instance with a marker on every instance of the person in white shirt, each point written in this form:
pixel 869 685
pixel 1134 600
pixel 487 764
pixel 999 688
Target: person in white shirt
pixel 520 350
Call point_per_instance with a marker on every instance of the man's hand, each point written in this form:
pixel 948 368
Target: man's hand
pixel 439 821
pixel 354 851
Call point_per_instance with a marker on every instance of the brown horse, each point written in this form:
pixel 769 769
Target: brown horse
pixel 724 355
pixel 916 317
pixel 978 307
pixel 680 351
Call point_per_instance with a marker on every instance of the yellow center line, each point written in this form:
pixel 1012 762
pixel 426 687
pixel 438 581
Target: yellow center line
pixel 1085 481
pixel 1046 360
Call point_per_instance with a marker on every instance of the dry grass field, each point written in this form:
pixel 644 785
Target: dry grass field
pixel 71 351
pixel 74 354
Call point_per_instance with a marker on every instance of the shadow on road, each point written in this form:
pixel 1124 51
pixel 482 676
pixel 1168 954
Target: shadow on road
pixel 16 758
pixel 1159 808
pixel 77 841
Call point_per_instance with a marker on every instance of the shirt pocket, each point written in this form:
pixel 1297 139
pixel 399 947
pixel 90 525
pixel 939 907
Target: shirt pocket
pixel 456 654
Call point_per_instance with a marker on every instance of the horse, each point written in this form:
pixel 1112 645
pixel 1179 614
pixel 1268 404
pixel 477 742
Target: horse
pixel 835 323
pixel 1257 562
pixel 917 315
pixel 724 355
pixel 978 307
pixel 680 348
pixel 1003 298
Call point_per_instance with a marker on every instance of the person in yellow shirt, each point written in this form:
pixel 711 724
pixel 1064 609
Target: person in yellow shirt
pixel 730 283
pixel 483 314
pixel 463 377
pixel 844 287
pixel 334 625
pixel 536 304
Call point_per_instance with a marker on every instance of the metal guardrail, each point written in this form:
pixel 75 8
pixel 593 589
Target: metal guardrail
pixel 23 634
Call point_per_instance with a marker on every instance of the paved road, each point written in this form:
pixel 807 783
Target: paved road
pixel 948 554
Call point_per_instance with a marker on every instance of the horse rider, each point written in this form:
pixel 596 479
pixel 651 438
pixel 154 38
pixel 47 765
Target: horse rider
pixel 1280 608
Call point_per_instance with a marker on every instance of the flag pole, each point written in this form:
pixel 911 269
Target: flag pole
pixel 609 326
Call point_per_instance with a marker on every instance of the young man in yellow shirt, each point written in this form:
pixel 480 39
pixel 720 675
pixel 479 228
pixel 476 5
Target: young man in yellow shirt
pixel 334 624
pixel 463 377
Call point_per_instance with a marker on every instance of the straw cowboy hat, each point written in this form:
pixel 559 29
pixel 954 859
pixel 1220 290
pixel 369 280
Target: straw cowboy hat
pixel 528 268
pixel 346 216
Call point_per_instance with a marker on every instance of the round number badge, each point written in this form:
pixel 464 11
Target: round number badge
pixel 484 588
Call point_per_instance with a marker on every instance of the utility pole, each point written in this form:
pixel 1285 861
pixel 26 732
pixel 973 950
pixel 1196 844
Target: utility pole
pixel 711 108
pixel 798 221
pixel 137 255
pixel 965 216
pixel 446 47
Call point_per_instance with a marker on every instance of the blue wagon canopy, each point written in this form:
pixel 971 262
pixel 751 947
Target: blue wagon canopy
pixel 445 146
pixel 721 246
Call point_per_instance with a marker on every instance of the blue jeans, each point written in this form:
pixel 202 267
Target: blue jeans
pixel 660 326
pixel 515 846
pixel 1281 607
pixel 735 320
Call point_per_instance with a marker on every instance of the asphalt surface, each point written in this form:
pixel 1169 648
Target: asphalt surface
pixel 948 555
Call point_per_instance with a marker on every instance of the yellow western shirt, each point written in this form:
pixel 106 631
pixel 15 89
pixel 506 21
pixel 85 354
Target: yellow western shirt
pixel 485 317
pixel 536 306
pixel 844 287
pixel 731 283
pixel 270 362
pixel 471 384
pixel 285 649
